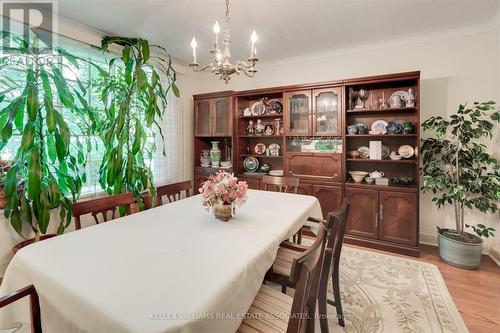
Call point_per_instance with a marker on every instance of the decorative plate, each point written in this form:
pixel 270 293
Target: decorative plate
pixel 260 149
pixel 379 126
pixel 258 109
pixel 274 149
pixel 386 151
pixel 364 152
pixel 406 151
pixel 250 164
pixel 274 106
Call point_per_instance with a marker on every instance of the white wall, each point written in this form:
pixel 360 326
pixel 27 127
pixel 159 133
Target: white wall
pixel 454 70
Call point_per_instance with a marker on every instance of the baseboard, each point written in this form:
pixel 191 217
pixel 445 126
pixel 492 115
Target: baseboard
pixel 428 239
pixel 495 255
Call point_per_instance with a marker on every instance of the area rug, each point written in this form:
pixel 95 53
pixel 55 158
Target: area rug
pixel 389 294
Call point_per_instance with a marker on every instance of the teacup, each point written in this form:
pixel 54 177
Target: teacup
pixel 376 174
pixel 369 180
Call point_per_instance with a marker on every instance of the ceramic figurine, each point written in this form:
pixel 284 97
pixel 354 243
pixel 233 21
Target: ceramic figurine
pixel 251 128
pixel 410 99
pixel 407 127
pixel 259 128
pixel 205 158
pixel 247 112
pixel 269 130
pixel 277 126
pixel 265 168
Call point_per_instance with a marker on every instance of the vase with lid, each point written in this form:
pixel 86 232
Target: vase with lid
pixel 215 154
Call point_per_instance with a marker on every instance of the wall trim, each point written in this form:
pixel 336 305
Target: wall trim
pixel 495 256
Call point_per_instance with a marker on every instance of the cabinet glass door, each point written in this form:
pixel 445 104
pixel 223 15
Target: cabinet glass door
pixel 223 117
pixel 202 117
pixel 326 111
pixel 298 113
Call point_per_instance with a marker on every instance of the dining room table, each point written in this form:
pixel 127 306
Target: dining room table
pixel 173 268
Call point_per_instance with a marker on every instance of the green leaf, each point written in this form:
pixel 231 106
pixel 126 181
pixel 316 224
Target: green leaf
pixel 15 221
pixel 26 210
pixel 28 136
pixel 126 54
pixel 61 148
pixel 32 102
pixel 142 79
pixel 34 175
pixel 50 117
pixel 145 50
pixel 175 90
pixel 7 131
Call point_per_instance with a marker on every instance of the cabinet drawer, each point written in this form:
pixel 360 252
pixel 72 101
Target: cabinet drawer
pixel 315 166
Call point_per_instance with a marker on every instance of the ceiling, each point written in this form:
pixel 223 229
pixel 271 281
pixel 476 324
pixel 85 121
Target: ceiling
pixel 286 28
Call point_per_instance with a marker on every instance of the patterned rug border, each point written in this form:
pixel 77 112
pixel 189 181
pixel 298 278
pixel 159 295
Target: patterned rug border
pixel 439 279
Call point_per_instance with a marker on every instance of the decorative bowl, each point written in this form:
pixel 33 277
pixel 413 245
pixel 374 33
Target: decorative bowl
pixel 395 157
pixel 393 127
pixel 352 129
pixel 362 128
pixel 369 180
pixel 358 176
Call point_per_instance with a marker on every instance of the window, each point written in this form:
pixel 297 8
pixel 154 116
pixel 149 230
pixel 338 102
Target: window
pixel 165 168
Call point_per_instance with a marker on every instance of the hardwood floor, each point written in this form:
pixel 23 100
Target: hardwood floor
pixel 476 293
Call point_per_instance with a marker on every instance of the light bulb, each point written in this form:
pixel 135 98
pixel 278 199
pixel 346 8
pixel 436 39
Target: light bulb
pixel 193 43
pixel 253 37
pixel 216 27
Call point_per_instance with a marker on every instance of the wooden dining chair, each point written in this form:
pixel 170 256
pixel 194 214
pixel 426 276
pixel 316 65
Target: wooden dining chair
pixel 36 322
pixel 335 225
pixel 280 184
pixel 294 314
pixel 174 191
pixel 102 206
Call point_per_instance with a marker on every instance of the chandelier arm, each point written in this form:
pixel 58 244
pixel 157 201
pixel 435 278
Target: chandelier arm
pixel 201 68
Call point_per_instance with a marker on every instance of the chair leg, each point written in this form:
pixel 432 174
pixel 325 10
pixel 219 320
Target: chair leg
pixel 283 288
pixel 322 309
pixel 336 294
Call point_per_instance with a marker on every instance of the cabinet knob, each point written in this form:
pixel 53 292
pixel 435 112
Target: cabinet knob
pixel 375 222
pixel 381 212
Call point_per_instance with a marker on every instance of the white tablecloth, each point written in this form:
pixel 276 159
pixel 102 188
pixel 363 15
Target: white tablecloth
pixel 173 268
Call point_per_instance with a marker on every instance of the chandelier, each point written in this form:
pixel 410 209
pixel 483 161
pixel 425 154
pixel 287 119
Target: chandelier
pixel 221 64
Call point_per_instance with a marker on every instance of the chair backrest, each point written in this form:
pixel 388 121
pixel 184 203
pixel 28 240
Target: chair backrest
pixel 335 225
pixel 281 184
pixel 173 191
pixel 102 206
pixel 36 322
pixel 305 273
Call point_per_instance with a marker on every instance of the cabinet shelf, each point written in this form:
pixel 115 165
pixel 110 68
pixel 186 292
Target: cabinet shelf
pixel 263 116
pixel 403 161
pixel 405 109
pixel 260 136
pixel 381 135
pixel 260 156
pixel 391 186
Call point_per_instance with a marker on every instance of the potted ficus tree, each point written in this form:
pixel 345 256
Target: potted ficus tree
pixel 459 172
pixel 47 170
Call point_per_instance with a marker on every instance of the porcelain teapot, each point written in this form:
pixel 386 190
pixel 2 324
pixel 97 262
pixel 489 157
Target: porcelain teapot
pixel 376 174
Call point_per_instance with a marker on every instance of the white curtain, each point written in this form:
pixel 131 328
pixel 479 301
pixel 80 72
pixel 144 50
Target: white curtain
pixel 169 168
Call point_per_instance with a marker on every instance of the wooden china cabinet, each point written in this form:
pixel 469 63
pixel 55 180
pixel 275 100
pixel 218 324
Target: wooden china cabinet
pixel 316 147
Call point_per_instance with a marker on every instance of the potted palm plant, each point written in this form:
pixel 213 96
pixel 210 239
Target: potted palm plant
pixel 46 172
pixel 459 172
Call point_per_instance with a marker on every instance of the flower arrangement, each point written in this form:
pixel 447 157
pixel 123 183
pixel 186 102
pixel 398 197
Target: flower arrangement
pixel 222 192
